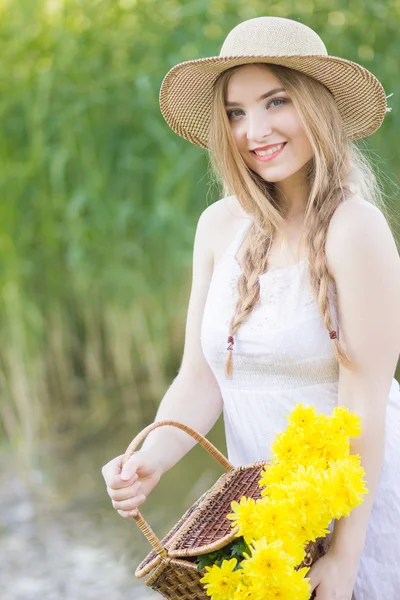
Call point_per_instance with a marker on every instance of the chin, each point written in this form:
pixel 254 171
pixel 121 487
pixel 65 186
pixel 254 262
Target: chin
pixel 276 177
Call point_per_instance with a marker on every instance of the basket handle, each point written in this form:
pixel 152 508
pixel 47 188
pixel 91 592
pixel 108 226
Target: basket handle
pixel 211 449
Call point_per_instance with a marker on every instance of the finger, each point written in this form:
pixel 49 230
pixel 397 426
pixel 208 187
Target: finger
pixel 112 468
pixel 114 481
pixel 318 594
pixel 131 504
pixel 313 578
pixel 132 465
pixel 128 513
pixel 124 493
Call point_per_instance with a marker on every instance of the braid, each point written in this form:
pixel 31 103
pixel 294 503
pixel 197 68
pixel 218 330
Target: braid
pixel 254 263
pixel 321 280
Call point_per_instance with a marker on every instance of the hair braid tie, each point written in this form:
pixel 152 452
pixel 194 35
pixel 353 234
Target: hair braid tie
pixel 333 335
pixel 231 341
pixel 229 361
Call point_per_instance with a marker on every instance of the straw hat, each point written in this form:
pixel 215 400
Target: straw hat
pixel 187 89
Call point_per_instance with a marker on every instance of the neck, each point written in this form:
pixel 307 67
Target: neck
pixel 292 196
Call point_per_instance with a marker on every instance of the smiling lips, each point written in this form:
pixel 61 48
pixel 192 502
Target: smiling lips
pixel 266 155
pixel 269 151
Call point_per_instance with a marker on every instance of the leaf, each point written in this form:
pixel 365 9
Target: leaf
pixel 205 560
pixel 239 547
pixel 234 549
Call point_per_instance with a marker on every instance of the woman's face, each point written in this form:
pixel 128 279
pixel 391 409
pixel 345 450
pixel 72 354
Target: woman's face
pixel 267 122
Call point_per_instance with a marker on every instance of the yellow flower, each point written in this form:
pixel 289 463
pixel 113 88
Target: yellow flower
pixel 274 473
pixel 349 423
pixel 345 486
pixel 295 547
pixel 268 562
pixel 274 519
pixel 302 416
pixel 245 590
pixel 307 500
pixel 296 587
pixel 336 448
pixel 222 582
pixel 243 518
pixel 281 493
pixel 270 573
pixel 285 448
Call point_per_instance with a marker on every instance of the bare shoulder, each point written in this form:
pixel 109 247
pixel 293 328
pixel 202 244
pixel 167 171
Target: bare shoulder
pixel 222 219
pixel 357 228
pixel 225 210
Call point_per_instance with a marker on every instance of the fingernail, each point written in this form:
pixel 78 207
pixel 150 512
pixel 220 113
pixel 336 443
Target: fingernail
pixel 125 476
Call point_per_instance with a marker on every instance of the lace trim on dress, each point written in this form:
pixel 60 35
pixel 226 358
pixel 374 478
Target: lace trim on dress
pixel 253 370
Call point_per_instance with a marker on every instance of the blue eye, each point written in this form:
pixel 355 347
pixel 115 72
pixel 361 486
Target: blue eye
pixel 277 100
pixel 230 112
pixel 282 100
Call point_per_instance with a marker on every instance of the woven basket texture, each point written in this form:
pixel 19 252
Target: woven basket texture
pixel 204 528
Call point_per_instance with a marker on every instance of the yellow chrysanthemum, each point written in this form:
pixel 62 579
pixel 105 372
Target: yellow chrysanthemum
pixel 350 423
pixel 302 416
pixel 277 492
pixel 346 487
pixel 268 562
pixel 295 587
pixel 336 449
pixel 242 518
pixel 316 434
pixel 295 547
pixel 306 499
pixel 283 581
pixel 285 448
pixel 276 519
pixel 221 583
pixel 245 590
pixel 309 531
pixel 275 473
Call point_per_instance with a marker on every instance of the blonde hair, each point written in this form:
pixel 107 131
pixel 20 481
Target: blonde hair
pixel 338 168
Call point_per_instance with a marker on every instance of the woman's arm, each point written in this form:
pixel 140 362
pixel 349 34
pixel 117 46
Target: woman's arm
pixel 365 263
pixel 194 398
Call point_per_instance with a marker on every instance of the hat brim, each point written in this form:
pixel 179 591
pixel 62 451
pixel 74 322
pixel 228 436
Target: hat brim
pixel 187 89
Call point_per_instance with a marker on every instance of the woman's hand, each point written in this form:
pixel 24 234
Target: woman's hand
pixel 333 577
pixel 129 487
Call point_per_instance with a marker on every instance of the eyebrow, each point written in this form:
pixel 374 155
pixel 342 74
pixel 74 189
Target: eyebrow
pixel 266 95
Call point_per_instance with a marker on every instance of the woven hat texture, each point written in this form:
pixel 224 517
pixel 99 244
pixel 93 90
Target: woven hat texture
pixel 187 89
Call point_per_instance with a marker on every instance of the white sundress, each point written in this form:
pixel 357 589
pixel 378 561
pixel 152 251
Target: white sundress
pixel 283 355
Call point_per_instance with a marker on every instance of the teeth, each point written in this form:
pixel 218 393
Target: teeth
pixel 269 151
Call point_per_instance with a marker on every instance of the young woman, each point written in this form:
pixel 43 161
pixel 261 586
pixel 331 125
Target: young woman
pixel 296 281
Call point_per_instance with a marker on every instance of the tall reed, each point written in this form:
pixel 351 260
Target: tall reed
pixel 99 201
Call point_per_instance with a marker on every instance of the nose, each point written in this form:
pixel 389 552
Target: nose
pixel 258 125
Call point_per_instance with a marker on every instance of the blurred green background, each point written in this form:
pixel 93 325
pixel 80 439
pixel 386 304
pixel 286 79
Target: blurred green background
pixel 99 204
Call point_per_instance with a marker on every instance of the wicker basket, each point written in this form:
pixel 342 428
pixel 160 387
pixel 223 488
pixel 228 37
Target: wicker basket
pixel 203 528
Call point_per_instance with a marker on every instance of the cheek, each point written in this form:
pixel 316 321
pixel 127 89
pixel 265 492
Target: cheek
pixel 307 148
pixel 287 122
pixel 238 134
pixel 299 141
pixel 292 125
